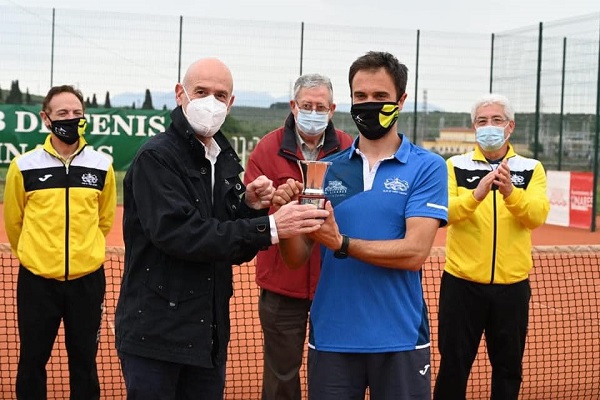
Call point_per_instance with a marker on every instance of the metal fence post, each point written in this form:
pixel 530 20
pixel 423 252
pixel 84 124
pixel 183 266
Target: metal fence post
pixel 492 63
pixel 416 88
pixel 180 47
pixel 596 139
pixel 536 132
pixel 562 104
pixel 301 46
pixel 52 48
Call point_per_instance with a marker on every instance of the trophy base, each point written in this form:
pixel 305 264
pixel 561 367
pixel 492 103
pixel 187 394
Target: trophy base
pixel 314 199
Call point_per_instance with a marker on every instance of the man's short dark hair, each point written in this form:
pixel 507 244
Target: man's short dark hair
pixel 58 90
pixel 375 60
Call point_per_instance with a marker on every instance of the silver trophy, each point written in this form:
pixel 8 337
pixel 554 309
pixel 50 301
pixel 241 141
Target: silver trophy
pixel 313 178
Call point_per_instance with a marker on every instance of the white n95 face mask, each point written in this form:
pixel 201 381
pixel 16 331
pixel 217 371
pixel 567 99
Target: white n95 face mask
pixel 206 115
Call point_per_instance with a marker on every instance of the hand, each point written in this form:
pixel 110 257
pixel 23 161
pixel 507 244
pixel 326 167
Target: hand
pixel 329 234
pixel 503 180
pixel 484 186
pixel 286 192
pixel 296 219
pixel 259 193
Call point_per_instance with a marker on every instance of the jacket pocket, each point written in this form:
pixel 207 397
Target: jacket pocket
pixel 176 282
pixel 175 310
pixel 199 189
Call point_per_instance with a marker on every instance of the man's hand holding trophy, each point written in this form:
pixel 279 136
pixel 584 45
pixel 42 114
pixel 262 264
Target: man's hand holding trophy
pixel 304 200
pixel 309 191
pixel 313 179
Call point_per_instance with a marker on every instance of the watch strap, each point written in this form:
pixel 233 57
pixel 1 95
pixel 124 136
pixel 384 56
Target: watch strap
pixel 343 250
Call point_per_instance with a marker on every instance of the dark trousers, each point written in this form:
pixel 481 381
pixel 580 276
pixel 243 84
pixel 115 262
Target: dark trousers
pixel 283 320
pixel 468 309
pixel 148 379
pixel 402 375
pixel 41 305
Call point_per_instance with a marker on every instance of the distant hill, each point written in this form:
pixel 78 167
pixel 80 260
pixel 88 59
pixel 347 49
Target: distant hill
pixel 249 99
pixel 243 98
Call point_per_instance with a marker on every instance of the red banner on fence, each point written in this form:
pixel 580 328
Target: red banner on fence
pixel 581 197
pixel 571 197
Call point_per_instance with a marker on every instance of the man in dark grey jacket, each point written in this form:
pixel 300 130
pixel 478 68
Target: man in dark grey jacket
pixel 187 219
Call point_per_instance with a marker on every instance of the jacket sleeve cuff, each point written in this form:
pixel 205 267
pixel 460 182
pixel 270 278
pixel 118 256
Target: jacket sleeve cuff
pixel 246 212
pixel 273 228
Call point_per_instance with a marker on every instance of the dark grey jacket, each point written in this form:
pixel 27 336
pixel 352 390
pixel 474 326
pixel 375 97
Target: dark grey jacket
pixel 180 247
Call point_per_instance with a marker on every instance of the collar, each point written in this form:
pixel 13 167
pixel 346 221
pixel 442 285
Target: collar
pixel 212 150
pixel 478 155
pixel 289 143
pixel 301 142
pixel 401 154
pixel 50 149
pixel 183 129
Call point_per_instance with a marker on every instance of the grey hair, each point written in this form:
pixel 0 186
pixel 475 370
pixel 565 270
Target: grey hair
pixel 494 98
pixel 311 81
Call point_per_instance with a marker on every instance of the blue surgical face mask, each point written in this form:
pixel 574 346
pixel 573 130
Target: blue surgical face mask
pixel 490 138
pixel 312 124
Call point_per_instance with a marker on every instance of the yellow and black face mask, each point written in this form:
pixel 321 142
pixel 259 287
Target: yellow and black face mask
pixel 69 130
pixel 374 119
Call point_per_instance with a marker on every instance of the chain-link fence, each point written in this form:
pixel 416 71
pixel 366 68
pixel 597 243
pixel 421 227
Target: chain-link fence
pixel 125 54
pixel 551 73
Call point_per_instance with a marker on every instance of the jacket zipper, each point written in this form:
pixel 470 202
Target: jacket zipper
pixel 67 223
pixel 495 227
pixel 66 164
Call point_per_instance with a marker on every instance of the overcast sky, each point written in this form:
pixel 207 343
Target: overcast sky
pixel 433 15
pixel 142 46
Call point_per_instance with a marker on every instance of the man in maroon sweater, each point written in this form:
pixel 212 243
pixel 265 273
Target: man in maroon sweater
pixel 286 295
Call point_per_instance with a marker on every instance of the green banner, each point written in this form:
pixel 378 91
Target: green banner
pixel 118 133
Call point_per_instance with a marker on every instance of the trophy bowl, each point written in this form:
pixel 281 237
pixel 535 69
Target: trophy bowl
pixel 313 178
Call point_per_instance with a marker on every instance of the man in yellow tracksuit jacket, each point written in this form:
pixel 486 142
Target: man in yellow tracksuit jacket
pixel 59 204
pixel 496 198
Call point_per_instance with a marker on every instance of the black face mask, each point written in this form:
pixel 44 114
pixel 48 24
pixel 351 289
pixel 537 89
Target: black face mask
pixel 374 119
pixel 68 130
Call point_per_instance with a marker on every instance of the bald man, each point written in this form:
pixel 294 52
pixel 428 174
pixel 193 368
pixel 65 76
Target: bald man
pixel 187 219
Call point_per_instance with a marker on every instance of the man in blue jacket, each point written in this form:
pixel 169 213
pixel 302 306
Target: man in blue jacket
pixel 187 219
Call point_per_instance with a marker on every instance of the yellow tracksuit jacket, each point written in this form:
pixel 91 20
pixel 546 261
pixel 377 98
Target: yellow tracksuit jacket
pixel 490 241
pixel 57 212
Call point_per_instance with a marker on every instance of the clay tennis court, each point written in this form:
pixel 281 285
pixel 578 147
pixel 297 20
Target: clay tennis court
pixel 547 235
pixel 562 359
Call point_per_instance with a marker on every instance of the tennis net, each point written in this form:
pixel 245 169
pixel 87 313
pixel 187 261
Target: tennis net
pixel 562 357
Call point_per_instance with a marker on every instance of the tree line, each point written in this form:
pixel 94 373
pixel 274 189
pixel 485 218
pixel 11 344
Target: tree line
pixel 16 96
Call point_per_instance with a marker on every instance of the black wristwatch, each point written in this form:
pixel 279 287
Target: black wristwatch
pixel 343 251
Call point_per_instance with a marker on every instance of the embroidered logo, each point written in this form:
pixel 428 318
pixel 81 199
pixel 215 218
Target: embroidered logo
pixel 89 179
pixel 335 189
pixel 424 370
pixel 472 179
pixel 44 178
pixel 517 180
pixel 395 185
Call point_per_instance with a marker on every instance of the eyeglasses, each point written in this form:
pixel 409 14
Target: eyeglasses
pixel 307 108
pixel 496 121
